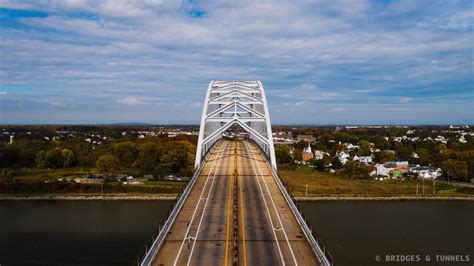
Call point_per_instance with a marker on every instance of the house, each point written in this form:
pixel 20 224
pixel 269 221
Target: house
pixel 363 159
pixel 425 171
pixel 392 169
pixel 307 153
pixel 401 165
pixel 383 170
pixel 319 154
pixel 342 156
pixel 441 139
pixel 351 146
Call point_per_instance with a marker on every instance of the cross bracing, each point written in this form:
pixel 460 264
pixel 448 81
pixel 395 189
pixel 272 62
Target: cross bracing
pixel 230 103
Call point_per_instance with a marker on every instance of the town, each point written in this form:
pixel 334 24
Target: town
pixel 159 159
pixel 382 152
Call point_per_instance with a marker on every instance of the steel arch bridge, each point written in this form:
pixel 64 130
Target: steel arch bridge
pixel 230 103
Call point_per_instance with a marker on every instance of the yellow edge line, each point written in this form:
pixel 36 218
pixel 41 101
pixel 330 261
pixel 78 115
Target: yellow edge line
pixel 228 221
pixel 242 211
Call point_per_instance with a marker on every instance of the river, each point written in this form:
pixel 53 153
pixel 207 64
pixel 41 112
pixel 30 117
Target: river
pixel 112 232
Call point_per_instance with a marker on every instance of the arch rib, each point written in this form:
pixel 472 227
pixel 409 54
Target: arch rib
pixel 235 102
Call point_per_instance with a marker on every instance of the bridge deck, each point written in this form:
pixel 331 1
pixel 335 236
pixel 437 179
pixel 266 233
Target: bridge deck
pixel 271 234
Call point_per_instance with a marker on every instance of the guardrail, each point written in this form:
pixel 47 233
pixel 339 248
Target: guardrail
pixel 316 243
pixel 149 251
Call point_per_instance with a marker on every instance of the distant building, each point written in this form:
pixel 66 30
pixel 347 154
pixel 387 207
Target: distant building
pixel 363 159
pixel 308 138
pixel 319 154
pixel 351 146
pixel 392 169
pixel 342 156
pixel 401 165
pixel 425 171
pixel 382 170
pixel 11 139
pixel 307 153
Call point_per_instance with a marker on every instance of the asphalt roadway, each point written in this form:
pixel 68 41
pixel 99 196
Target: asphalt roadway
pixel 267 231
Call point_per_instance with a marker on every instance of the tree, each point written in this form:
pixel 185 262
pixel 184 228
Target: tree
pixel 336 163
pixel 10 155
pixel 404 153
pixel 356 170
pixel 381 143
pixel 54 158
pixel 364 148
pixel 424 156
pixel 385 156
pixel 326 159
pixel 68 158
pixel 170 162
pixel 26 158
pixel 149 156
pixel 319 165
pixel 298 154
pixel 455 169
pixel 126 152
pixel 108 164
pixel 282 153
pixel 40 159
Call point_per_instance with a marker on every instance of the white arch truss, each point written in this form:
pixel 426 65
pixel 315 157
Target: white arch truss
pixel 229 103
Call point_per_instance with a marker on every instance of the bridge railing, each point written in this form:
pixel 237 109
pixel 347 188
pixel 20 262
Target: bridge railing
pixel 319 248
pixel 316 242
pixel 149 251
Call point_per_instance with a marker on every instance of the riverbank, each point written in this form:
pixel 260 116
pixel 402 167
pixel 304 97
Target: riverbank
pixel 167 197
pixel 400 198
pixel 303 181
pixel 158 197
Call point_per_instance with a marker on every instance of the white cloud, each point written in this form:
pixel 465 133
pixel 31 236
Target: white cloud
pixel 406 99
pixel 353 54
pixel 56 104
pixel 338 109
pixel 307 87
pixel 129 101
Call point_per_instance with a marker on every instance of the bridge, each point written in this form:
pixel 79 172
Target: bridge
pixel 235 210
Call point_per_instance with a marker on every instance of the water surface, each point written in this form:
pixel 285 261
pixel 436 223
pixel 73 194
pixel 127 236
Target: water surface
pixel 356 232
pixel 76 232
pixel 112 232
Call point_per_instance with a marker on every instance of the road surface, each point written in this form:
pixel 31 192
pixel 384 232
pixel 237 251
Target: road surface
pixel 235 177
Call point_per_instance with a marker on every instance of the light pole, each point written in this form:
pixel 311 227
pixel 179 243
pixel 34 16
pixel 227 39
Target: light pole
pixel 423 189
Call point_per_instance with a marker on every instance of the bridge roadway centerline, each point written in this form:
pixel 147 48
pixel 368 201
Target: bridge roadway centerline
pixel 261 203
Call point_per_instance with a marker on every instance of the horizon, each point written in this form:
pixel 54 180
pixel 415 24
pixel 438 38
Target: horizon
pixel 374 62
pixel 273 124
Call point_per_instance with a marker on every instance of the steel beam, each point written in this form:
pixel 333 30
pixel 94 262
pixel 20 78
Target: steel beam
pixel 228 103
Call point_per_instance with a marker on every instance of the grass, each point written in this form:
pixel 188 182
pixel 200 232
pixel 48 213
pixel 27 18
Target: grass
pixel 325 184
pixel 295 177
pixel 46 181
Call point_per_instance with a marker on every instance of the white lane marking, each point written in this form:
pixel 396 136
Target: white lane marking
pixel 204 211
pixel 186 237
pixel 268 211
pixel 278 215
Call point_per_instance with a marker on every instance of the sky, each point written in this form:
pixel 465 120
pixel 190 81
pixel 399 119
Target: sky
pixel 320 62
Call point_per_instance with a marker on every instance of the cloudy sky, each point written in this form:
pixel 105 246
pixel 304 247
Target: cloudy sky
pixel 321 62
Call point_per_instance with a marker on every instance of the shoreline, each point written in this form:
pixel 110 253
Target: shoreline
pixel 85 197
pixel 169 197
pixel 391 198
